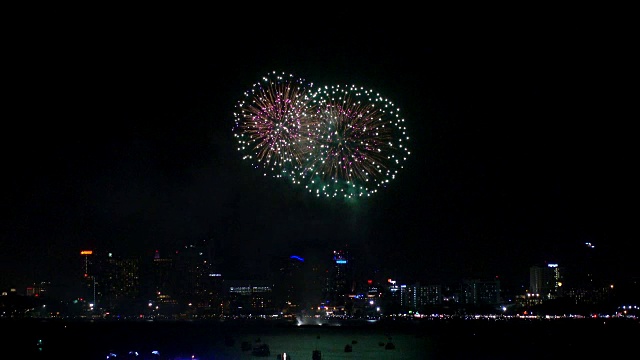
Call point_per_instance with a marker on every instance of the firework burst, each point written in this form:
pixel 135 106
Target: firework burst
pixel 273 122
pixel 337 141
pixel 360 142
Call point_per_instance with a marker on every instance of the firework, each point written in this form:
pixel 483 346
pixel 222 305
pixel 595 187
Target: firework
pixel 337 141
pixel 359 142
pixel 273 122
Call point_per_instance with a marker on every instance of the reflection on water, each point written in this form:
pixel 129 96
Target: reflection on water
pixel 465 339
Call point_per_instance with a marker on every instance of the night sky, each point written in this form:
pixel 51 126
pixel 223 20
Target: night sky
pixel 120 139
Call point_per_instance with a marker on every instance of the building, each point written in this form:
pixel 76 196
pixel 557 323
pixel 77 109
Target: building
pixel 120 284
pixel 546 281
pixel 88 271
pixel 424 297
pixel 339 282
pixel 289 283
pixel 162 300
pixel 200 287
pixel 249 298
pixel 481 292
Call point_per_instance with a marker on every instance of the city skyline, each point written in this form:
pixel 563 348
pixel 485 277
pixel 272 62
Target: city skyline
pixel 573 275
pixel 124 141
pixel 192 282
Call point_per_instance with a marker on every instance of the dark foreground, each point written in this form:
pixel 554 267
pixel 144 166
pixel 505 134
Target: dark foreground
pixel 430 339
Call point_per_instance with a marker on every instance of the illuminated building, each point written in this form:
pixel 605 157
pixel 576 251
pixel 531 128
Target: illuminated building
pixel 200 286
pixel 339 282
pixel 425 295
pixel 249 297
pixel 163 285
pixel 119 283
pixel 481 292
pixel 88 271
pixel 38 290
pixel 546 281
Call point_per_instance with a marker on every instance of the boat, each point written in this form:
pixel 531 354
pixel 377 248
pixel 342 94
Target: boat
pixel 261 350
pixel 389 346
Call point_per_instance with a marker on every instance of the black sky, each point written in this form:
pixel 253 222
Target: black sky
pixel 121 139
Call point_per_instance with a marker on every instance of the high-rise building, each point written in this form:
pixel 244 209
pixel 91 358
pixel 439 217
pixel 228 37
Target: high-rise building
pixel 200 286
pixel 289 283
pixel 339 280
pixel 481 292
pixel 163 285
pixel 88 272
pixel 546 281
pixel 425 296
pixel 395 297
pixel 120 283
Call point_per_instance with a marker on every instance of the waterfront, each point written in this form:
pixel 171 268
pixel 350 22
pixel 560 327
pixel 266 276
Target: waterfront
pixel 434 339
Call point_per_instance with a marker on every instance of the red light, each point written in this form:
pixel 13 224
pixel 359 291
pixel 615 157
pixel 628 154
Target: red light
pixel 369 282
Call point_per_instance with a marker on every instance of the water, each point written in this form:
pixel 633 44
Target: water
pixel 463 339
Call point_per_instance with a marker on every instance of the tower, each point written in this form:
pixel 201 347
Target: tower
pixel 339 280
pixel 88 277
